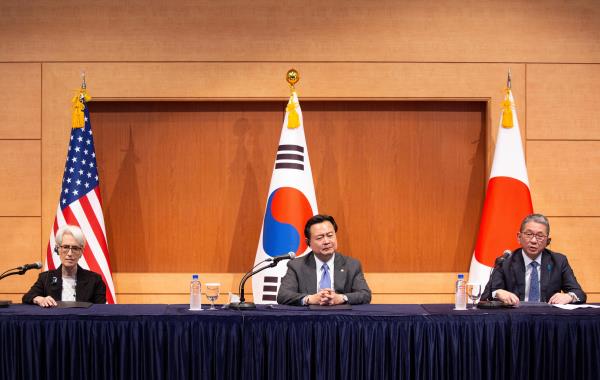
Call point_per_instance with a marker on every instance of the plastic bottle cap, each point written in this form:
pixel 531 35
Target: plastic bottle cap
pixel 461 276
pixel 194 277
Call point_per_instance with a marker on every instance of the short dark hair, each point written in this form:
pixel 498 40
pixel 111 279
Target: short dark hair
pixel 538 218
pixel 319 218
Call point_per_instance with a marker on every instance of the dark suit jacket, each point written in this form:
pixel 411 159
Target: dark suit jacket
pixel 555 275
pixel 89 288
pixel 301 280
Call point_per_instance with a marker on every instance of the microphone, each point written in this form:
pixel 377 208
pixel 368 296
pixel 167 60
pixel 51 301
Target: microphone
pixel 26 267
pixel 500 259
pixel 287 256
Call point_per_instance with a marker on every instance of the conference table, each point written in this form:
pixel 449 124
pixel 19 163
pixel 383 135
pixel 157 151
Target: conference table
pixel 285 342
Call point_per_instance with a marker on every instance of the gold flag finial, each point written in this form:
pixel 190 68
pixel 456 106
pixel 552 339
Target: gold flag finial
pixel 78 104
pixel 293 119
pixel 292 77
pixel 507 104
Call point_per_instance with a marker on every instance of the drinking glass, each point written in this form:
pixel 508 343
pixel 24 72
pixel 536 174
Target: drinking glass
pixel 474 291
pixel 212 293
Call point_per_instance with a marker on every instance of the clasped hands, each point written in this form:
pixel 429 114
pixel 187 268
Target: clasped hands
pixel 325 297
pixel 512 299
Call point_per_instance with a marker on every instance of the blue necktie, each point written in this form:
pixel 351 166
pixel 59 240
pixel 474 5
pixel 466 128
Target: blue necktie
pixel 325 279
pixel 534 283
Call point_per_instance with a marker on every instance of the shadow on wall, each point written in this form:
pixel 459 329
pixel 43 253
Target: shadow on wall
pixel 244 215
pixel 126 198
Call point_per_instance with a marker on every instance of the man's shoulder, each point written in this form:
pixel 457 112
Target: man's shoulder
pixel 556 256
pixel 301 260
pixel 346 260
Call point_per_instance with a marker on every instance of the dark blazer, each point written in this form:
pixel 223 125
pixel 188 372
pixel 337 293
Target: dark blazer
pixel 89 288
pixel 301 280
pixel 555 275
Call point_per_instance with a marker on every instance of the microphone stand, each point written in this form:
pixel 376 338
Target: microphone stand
pixel 14 271
pixel 489 303
pixel 10 272
pixel 243 305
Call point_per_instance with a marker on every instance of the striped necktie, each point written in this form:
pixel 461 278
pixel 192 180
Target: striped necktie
pixel 534 283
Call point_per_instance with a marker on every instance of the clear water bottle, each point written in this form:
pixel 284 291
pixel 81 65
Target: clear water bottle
pixel 195 293
pixel 460 301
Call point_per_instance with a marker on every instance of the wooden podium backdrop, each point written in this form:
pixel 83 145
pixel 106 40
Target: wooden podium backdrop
pixel 184 184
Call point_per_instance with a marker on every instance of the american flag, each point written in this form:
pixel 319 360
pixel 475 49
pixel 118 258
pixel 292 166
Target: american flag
pixel 80 204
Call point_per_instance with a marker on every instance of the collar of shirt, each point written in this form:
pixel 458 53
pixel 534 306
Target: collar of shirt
pixel 528 260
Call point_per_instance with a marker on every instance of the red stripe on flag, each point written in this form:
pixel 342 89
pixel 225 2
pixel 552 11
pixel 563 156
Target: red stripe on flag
pixel 93 221
pixel 89 255
pixel 507 202
pixel 69 216
pixel 97 191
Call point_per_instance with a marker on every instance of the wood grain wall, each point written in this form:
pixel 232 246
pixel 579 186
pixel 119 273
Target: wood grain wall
pixel 189 180
pixel 350 50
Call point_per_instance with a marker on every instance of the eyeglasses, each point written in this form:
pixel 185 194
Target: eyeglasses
pixel 73 248
pixel 539 236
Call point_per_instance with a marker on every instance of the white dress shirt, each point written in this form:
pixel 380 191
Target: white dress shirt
pixel 68 288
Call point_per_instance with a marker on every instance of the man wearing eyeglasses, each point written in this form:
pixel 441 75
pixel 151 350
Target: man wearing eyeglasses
pixel 533 273
pixel 68 282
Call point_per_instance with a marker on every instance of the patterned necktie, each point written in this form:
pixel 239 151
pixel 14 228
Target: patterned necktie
pixel 325 279
pixel 534 283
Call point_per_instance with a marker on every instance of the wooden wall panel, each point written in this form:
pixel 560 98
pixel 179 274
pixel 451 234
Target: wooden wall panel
pixel 20 245
pixel 20 100
pixel 564 177
pixel 577 238
pixel 562 102
pixel 230 81
pixel 388 30
pixel 190 180
pixel 386 287
pixel 405 180
pixel 20 177
pixel 266 80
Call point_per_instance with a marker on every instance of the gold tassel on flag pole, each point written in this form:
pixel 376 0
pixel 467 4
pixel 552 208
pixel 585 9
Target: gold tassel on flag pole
pixel 507 113
pixel 78 105
pixel 292 78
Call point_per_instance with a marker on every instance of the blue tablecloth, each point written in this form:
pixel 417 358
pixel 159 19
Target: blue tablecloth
pixel 280 342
